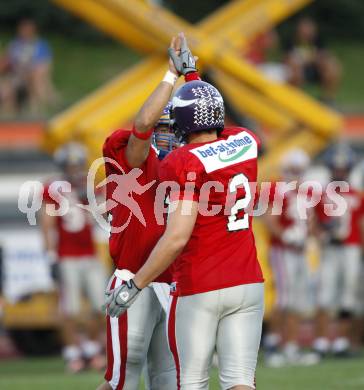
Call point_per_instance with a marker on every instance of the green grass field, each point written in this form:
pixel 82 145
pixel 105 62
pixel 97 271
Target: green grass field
pixel 48 374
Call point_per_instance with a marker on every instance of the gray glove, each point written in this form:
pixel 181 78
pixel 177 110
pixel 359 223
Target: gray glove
pixel 118 300
pixel 185 62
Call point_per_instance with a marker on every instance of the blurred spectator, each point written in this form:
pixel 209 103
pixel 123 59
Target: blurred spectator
pixel 309 61
pixel 70 246
pixel 257 54
pixel 340 269
pixel 289 234
pixel 25 71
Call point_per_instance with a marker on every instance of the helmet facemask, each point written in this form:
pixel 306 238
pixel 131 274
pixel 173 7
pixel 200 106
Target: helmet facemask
pixel 179 133
pixel 164 139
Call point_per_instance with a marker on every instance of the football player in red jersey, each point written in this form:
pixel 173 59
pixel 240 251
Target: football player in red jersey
pixel 70 246
pixel 217 295
pixel 289 234
pixel 139 336
pixel 340 270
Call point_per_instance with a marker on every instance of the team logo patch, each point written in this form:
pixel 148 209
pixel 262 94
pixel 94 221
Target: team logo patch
pixel 237 148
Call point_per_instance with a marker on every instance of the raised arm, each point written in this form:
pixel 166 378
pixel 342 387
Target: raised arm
pixel 138 146
pixel 181 62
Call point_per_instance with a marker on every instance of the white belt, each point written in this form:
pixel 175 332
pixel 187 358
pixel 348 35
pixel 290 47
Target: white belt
pixel 160 289
pixel 124 274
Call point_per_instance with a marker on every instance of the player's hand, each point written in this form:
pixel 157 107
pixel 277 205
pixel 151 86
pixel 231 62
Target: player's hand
pixel 118 300
pixel 55 273
pixel 53 266
pixel 174 47
pixel 181 57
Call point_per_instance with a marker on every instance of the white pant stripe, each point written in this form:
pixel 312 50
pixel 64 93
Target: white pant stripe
pixel 114 323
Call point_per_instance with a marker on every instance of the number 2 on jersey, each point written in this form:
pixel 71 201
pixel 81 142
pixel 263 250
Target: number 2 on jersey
pixel 235 223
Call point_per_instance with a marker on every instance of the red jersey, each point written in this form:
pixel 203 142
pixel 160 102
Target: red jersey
pixel 285 204
pixel 131 246
pixel 221 251
pixel 74 229
pixel 345 229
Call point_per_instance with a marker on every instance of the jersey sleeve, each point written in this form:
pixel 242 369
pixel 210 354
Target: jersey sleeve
pixel 183 170
pixel 115 146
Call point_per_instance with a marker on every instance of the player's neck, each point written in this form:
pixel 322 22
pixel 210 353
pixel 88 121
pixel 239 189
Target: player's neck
pixel 204 136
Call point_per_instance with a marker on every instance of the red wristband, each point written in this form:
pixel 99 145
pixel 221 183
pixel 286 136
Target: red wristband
pixel 192 76
pixel 142 136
